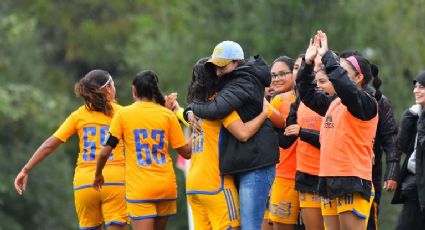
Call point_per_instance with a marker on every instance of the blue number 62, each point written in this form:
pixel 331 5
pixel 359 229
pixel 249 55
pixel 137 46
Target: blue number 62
pixel 142 146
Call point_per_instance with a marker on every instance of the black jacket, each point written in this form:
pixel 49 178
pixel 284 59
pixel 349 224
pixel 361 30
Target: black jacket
pixel 385 141
pixel 360 103
pixel 310 136
pixel 410 125
pixel 243 91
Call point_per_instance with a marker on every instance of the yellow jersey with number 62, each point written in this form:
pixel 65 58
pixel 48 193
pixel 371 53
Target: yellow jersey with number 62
pixel 92 129
pixel 147 128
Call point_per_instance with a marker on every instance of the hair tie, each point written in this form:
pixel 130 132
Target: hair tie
pixel 107 82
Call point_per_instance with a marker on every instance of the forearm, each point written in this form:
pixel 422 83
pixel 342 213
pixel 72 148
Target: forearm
pixel 103 158
pixel 310 136
pixel 392 171
pixel 230 98
pixel 48 146
pixel 211 110
pixel 358 102
pixel 316 101
pixel 285 141
pixel 276 117
pixel 185 151
pixel 243 131
pixel 393 154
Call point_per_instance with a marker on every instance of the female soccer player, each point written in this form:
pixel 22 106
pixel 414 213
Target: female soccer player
pixel 91 123
pixel 346 135
pixel 146 128
pixel 213 197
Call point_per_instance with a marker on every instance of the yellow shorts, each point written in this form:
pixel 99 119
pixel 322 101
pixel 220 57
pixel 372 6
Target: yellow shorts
pixel 266 212
pixel 308 200
pixel 140 211
pixel 284 202
pixel 108 206
pixel 348 203
pixel 218 211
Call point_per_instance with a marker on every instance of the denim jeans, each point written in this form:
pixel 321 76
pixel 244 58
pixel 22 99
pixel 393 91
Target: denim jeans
pixel 254 188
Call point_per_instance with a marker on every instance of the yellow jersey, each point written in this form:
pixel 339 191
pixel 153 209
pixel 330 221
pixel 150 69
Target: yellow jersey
pixel 204 173
pixel 92 128
pixel 147 128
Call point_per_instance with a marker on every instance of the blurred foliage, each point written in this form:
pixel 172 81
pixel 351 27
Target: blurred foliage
pixel 46 46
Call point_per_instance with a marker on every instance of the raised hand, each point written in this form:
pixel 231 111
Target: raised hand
pixel 311 52
pixel 323 39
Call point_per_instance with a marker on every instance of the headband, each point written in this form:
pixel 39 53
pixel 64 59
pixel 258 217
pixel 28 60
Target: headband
pixel 107 82
pixel 354 62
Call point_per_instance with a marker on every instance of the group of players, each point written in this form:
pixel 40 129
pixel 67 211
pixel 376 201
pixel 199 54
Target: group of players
pixel 307 149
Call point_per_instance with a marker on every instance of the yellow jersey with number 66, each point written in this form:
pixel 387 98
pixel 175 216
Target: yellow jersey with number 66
pixel 92 128
pixel 147 128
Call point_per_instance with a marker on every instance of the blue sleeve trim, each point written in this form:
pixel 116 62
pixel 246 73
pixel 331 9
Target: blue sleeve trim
pixel 113 222
pixel 148 201
pixel 90 228
pixel 105 184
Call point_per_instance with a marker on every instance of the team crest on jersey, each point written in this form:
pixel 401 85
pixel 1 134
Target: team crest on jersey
pixel 328 122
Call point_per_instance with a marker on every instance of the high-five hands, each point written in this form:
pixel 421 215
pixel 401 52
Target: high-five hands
pixel 323 40
pixel 311 52
pixel 318 45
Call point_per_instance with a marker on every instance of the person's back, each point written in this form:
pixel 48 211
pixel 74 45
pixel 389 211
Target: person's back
pixel 92 128
pixel 91 122
pixel 149 172
pixel 146 128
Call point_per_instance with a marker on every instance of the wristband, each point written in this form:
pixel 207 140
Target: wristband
pixel 179 115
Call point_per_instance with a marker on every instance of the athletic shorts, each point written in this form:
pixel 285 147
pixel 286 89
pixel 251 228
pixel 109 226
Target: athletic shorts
pixel 149 210
pixel 308 200
pixel 353 202
pixel 105 206
pixel 217 211
pixel 266 212
pixel 284 202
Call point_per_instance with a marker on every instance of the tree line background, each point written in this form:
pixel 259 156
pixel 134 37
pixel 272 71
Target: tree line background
pixel 46 46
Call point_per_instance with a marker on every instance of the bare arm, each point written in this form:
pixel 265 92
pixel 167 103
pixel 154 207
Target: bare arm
pixel 244 131
pixel 275 116
pixel 101 161
pixel 186 150
pixel 48 146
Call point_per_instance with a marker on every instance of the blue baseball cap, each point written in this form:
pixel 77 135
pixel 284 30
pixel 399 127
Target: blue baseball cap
pixel 225 52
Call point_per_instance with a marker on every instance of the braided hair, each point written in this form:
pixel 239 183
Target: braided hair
pixel 90 89
pixel 147 86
